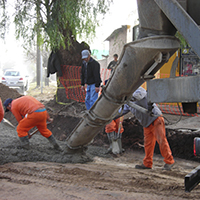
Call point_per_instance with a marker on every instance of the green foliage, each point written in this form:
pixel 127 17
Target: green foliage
pixel 56 23
pixel 183 42
pixel 4 18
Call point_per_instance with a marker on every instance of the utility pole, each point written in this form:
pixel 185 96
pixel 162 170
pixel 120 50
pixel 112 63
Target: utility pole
pixel 41 75
pixel 38 70
pixel 38 48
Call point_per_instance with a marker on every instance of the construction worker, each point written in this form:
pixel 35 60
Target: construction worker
pixel 114 131
pixel 1 110
pixel 154 130
pixel 112 65
pixel 29 113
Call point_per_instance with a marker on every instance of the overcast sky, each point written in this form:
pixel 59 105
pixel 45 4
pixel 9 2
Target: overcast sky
pixel 122 12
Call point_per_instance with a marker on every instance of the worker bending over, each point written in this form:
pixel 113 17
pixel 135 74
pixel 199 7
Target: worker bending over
pixel 154 130
pixel 29 113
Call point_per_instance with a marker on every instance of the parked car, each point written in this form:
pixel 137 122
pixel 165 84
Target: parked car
pixel 15 79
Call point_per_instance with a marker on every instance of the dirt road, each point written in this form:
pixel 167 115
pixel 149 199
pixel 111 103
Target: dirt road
pixel 42 173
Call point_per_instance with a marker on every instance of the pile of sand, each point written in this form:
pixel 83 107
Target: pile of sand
pixel 7 92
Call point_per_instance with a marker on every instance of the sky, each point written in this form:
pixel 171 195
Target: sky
pixel 11 52
pixel 122 12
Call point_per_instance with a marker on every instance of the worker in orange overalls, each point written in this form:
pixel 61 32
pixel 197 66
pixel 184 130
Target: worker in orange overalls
pixel 29 113
pixel 154 130
pixel 112 129
pixel 1 110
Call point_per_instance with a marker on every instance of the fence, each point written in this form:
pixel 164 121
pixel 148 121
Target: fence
pixel 72 82
pixel 174 110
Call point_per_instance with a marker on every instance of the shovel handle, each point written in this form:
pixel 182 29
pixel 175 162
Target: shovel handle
pixel 35 131
pixel 120 125
pixel 31 134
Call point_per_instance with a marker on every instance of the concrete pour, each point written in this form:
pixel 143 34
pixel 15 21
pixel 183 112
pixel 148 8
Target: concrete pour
pixel 40 150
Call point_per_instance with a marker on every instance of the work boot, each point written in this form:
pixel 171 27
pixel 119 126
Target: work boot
pixel 142 166
pixel 110 137
pixel 52 140
pixel 24 142
pixel 168 167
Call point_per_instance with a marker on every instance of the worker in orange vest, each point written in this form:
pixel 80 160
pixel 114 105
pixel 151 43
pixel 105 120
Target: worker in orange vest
pixel 29 112
pixel 1 110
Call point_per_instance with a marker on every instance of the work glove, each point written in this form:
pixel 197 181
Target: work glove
pixel 150 107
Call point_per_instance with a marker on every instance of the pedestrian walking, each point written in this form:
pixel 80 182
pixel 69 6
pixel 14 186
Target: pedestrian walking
pixel 90 78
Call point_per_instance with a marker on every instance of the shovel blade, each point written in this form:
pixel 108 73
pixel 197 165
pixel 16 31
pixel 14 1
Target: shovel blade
pixel 7 123
pixel 116 146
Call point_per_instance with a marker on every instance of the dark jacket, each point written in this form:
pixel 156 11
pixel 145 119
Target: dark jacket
pixel 54 65
pixel 92 75
pixel 111 65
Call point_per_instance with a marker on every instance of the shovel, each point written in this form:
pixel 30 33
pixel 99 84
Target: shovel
pixel 35 131
pixel 7 123
pixel 31 134
pixel 116 141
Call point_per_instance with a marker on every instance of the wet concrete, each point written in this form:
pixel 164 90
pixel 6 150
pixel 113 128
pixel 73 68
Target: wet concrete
pixel 40 150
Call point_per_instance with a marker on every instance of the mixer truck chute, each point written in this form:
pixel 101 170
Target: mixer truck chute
pixel 139 61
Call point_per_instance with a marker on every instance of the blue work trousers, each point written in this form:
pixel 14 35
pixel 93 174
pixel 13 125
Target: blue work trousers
pixel 91 96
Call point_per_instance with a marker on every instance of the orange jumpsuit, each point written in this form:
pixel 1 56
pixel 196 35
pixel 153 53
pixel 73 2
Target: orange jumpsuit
pixel 153 126
pixel 1 110
pixel 156 132
pixel 114 126
pixel 29 113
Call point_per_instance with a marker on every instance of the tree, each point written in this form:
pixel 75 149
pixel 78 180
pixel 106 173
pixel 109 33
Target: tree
pixel 55 23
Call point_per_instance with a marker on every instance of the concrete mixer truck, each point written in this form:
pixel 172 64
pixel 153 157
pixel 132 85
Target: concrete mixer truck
pixel 159 20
